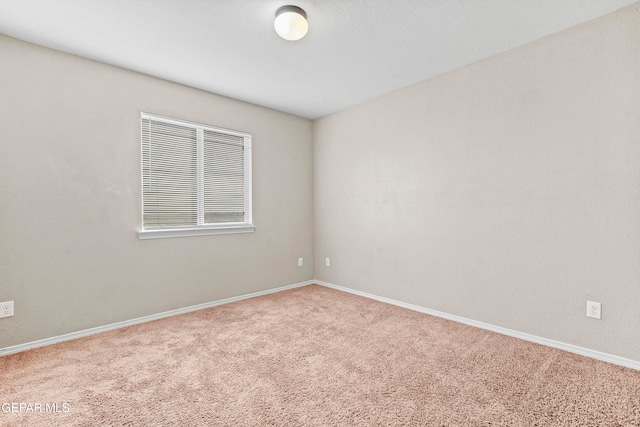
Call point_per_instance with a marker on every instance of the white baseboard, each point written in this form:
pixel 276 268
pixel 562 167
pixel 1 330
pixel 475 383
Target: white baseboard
pixel 617 360
pixel 633 364
pixel 84 333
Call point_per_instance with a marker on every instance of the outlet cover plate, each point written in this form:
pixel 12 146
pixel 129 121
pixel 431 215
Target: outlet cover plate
pixel 6 309
pixel 594 309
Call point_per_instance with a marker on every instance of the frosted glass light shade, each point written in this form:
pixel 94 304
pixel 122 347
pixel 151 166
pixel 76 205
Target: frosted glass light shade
pixel 291 23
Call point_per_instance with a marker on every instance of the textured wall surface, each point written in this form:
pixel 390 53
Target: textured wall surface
pixel 70 201
pixel 507 191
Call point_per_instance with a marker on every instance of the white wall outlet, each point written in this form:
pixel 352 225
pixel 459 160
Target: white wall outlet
pixel 6 309
pixel 594 309
pixel 300 262
pixel 327 262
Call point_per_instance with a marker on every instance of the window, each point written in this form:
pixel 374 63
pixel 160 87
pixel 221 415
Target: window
pixel 196 179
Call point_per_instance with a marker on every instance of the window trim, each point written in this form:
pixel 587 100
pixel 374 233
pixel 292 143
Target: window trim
pixel 162 233
pixel 204 229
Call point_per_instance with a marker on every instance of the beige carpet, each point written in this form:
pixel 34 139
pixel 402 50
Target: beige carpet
pixel 312 356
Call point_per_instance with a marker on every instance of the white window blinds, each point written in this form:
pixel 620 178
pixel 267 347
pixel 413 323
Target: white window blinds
pixel 194 176
pixel 223 177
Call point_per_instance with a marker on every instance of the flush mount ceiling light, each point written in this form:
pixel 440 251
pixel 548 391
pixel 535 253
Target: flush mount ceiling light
pixel 291 23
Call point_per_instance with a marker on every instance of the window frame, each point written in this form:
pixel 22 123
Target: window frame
pixel 156 232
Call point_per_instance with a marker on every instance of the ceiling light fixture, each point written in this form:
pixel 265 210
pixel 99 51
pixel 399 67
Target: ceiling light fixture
pixel 291 23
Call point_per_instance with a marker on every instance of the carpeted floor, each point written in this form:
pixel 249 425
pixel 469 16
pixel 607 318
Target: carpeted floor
pixel 311 356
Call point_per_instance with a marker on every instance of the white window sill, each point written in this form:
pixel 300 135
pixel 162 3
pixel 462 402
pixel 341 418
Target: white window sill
pixel 163 233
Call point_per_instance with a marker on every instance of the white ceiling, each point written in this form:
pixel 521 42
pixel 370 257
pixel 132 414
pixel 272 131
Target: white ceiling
pixel 355 49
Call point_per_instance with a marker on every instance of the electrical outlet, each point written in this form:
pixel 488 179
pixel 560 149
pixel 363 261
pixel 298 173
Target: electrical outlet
pixel 300 262
pixel 327 262
pixel 6 309
pixel 594 309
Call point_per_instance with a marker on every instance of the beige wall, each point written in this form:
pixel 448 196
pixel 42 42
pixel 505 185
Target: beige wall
pixel 70 202
pixel 506 192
